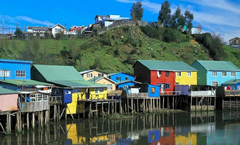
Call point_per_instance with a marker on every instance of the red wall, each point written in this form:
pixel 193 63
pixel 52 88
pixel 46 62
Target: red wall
pixel 163 79
pixel 168 138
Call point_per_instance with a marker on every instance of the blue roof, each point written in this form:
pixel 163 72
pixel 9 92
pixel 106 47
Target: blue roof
pixel 15 61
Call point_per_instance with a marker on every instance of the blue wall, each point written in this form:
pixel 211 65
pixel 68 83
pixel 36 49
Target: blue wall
pixel 153 94
pixel 219 78
pixel 13 66
pixel 122 77
pixel 126 85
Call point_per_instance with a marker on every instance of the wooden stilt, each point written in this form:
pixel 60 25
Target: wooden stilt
pixel 33 120
pixel 168 103
pixel 144 105
pixel 132 105
pixel 90 110
pixel 137 106
pixel 27 121
pixel 163 103
pixel 55 113
pixel 19 122
pixel 173 103
pixel 108 107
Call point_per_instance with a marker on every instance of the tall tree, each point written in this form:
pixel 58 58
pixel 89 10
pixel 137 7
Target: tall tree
pixel 165 13
pixel 18 33
pixel 137 11
pixel 188 17
pixel 175 18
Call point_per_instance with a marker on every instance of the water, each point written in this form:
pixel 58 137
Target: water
pixel 200 128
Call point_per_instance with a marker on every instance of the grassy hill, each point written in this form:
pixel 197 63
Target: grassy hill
pixel 116 50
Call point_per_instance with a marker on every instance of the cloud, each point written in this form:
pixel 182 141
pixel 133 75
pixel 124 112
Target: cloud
pixel 10 20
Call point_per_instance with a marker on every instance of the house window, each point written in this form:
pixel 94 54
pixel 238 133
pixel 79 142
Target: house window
pixel 159 84
pixel 101 90
pixel 117 78
pixel 96 90
pixel 109 87
pixel 179 74
pixel 224 73
pixel 189 74
pixel 89 75
pixel 233 74
pixel 159 73
pixel 20 73
pixel 214 73
pixel 167 73
pixel 167 86
pixel 126 78
pixel 214 83
pixel 57 30
pixel 100 74
pixel 4 73
pixel 153 90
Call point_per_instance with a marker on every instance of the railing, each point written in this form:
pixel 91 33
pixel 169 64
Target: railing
pixel 98 96
pixel 34 106
pixel 55 99
pixel 232 93
pixel 137 95
pixel 170 93
pixel 211 93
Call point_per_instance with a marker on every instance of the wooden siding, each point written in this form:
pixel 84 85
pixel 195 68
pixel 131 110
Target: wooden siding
pixel 8 102
pixel 184 79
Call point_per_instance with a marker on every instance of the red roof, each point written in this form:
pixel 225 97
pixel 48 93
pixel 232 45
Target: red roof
pixel 76 29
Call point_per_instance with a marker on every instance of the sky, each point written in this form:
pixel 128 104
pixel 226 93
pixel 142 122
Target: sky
pixel 220 17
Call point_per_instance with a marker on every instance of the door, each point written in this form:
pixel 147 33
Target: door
pixel 162 89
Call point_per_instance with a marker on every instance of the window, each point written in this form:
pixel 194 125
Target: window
pixel 101 90
pixel 233 74
pixel 96 90
pixel 224 74
pixel 89 75
pixel 117 78
pixel 20 73
pixel 126 78
pixel 179 74
pixel 4 73
pixel 153 90
pixel 167 73
pixel 109 87
pixel 189 74
pixel 214 83
pixel 159 73
pixel 159 84
pixel 100 74
pixel 214 73
pixel 57 30
pixel 177 83
pixel 167 86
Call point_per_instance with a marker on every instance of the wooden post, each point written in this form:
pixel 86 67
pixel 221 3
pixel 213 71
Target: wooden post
pixel 144 105
pixel 173 103
pixel 230 104
pixel 41 118
pixel 120 105
pixel 59 113
pixel 159 103
pixel 27 121
pixel 163 103
pixel 108 107
pixel 168 102
pixel 33 120
pixel 46 117
pixel 157 100
pixel 132 105
pixel 19 122
pixel 195 104
pixel 115 106
pixel 137 106
pixel 96 112
pixel 54 113
pixel 151 103
pixel 8 124
pixel 90 110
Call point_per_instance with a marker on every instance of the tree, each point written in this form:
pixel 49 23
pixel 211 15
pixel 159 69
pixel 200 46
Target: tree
pixel 165 13
pixel 137 11
pixel 18 33
pixel 188 17
pixel 175 18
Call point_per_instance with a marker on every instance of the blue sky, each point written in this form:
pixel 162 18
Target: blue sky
pixel 215 16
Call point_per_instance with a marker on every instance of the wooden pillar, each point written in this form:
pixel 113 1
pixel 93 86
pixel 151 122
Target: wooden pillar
pixel 55 113
pixel 207 102
pixel 90 110
pixel 19 122
pixel 132 105
pixel 151 104
pixel 128 105
pixel 8 124
pixel 230 103
pixel 120 106
pixel 27 121
pixel 159 103
pixel 137 106
pixel 46 117
pixel 41 112
pixel 168 103
pixel 115 106
pixel 144 105
pixel 96 112
pixel 195 104
pixel 173 103
pixel 163 102
pixel 33 120
pixel 58 114
pixel 108 107
pixel 84 108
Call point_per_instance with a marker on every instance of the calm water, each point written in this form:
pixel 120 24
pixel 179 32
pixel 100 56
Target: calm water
pixel 158 129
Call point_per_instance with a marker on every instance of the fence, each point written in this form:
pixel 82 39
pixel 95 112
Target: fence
pixel 232 93
pixel 203 93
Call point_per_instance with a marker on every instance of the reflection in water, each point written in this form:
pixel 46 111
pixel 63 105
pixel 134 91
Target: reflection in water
pixel 154 129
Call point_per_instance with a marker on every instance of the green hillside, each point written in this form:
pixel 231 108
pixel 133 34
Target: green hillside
pixel 116 50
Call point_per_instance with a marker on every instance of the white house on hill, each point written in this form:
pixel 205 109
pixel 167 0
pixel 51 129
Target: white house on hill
pixel 108 20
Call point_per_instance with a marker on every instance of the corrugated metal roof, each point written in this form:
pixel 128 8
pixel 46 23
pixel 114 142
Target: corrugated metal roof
pixel 86 71
pixel 98 78
pixel 6 91
pixel 166 65
pixel 24 82
pixel 113 74
pixel 232 82
pixel 15 61
pixel 128 81
pixel 78 84
pixel 218 65
pixel 56 73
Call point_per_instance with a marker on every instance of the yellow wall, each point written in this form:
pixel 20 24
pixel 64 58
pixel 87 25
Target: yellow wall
pixel 98 95
pixel 183 140
pixel 186 80
pixel 94 74
pixel 106 82
pixel 77 107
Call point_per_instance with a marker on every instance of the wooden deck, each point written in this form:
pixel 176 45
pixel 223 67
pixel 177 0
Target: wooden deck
pixel 232 93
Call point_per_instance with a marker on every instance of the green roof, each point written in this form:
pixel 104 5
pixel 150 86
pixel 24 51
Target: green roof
pixel 231 82
pixel 127 81
pixel 56 72
pixel 24 82
pixel 78 84
pixel 218 65
pixel 166 65
pixel 6 91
